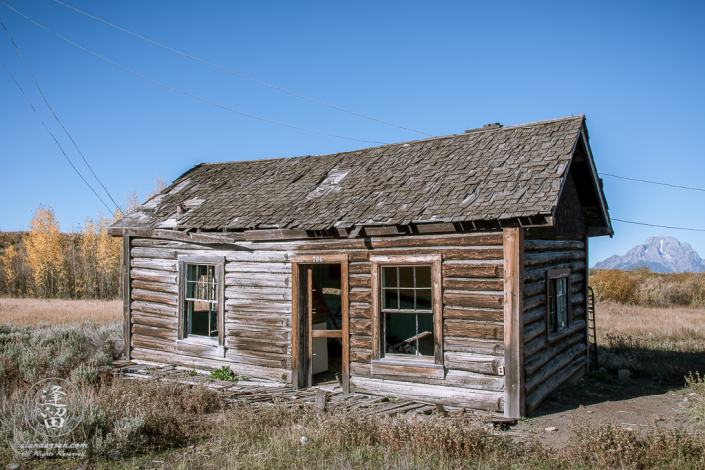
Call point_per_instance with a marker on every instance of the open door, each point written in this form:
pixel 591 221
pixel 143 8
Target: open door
pixel 319 327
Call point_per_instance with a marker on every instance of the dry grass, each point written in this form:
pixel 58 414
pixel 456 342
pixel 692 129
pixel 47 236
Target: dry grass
pixel 24 312
pixel 672 325
pixel 666 343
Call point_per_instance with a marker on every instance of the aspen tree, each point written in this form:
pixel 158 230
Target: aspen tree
pixel 44 251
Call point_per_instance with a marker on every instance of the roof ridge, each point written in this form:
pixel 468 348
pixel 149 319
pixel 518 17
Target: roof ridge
pixel 439 137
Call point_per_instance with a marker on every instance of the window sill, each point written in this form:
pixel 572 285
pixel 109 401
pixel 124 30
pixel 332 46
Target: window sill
pixel 413 366
pixel 564 332
pixel 201 346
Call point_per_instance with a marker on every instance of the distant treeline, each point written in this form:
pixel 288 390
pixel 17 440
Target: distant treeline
pixel 640 286
pixel 46 263
pixel 83 264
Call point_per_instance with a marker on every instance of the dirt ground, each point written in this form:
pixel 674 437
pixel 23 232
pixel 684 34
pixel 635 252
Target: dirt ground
pixel 638 404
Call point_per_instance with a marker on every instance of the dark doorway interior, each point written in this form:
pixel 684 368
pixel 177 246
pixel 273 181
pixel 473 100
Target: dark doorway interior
pixel 327 354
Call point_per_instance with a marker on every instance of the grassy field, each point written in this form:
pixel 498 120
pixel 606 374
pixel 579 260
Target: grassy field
pixel 23 312
pixel 172 426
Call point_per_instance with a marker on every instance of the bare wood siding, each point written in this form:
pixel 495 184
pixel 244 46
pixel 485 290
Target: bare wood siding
pixel 257 307
pixel 547 365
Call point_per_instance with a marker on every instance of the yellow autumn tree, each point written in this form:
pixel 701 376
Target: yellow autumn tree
pixel 108 255
pixel 43 246
pixel 9 268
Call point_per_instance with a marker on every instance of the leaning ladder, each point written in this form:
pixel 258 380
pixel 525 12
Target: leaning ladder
pixel 592 331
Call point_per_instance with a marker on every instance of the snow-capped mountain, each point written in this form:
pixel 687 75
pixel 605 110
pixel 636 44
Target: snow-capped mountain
pixel 660 254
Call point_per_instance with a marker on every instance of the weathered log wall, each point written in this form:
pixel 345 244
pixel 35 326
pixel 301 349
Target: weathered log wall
pixel 258 309
pixel 473 320
pixel 550 363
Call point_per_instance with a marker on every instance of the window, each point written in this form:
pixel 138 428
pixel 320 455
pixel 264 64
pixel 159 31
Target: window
pixel 408 310
pixel 558 300
pixel 406 315
pixel 201 300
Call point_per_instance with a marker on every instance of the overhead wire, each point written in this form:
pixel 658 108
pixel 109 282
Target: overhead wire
pixel 242 75
pixel 659 226
pixel 653 182
pixel 227 108
pixel 57 118
pixel 53 137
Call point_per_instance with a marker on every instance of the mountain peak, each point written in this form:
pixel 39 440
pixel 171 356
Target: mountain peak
pixel 660 254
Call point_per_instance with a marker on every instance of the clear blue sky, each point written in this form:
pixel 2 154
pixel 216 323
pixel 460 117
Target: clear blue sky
pixel 635 69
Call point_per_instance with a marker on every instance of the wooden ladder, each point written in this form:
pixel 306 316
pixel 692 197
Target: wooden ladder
pixel 592 331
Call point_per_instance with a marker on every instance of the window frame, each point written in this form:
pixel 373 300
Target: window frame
pixel 551 276
pixel 406 362
pixel 183 338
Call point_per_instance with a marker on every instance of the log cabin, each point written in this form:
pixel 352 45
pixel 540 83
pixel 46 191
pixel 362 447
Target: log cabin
pixel 451 270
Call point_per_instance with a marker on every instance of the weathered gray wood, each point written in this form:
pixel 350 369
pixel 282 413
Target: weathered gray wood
pixel 361 342
pixel 126 296
pixel 237 281
pixel 472 329
pixel 360 295
pixel 153 344
pixel 540 259
pixel 467 313
pixel 200 350
pixel 553 245
pixel 151 275
pixel 534 399
pixel 210 364
pixel 428 371
pixel 254 306
pixel 150 332
pixel 156 321
pixel 277 361
pixel 488 365
pixel 475 346
pixel 513 322
pixel 360 327
pixel 257 256
pixel 472 270
pixel 476 284
pixel 170 266
pixel 360 281
pixel 453 378
pixel 360 310
pixel 261 294
pixel 158 297
pixel 431 393
pixel 538 360
pixel 155 308
pixel 530 303
pixel 538 274
pixel 172 288
pixel 537 314
pixel 255 318
pixel 466 253
pixel 533 330
pixel 360 355
pixel 247 344
pixel 472 299
pixel 359 268
pixel 258 334
pixel 264 267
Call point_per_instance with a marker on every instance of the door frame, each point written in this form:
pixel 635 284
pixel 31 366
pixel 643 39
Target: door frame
pixel 301 366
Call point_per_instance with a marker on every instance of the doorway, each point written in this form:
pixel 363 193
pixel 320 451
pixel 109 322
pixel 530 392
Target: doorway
pixel 320 321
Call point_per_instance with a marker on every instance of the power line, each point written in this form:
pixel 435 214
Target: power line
pixel 52 136
pixel 241 75
pixel 56 117
pixel 660 226
pixel 184 92
pixel 654 182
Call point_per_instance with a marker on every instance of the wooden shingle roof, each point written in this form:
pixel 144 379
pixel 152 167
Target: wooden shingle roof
pixel 493 174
